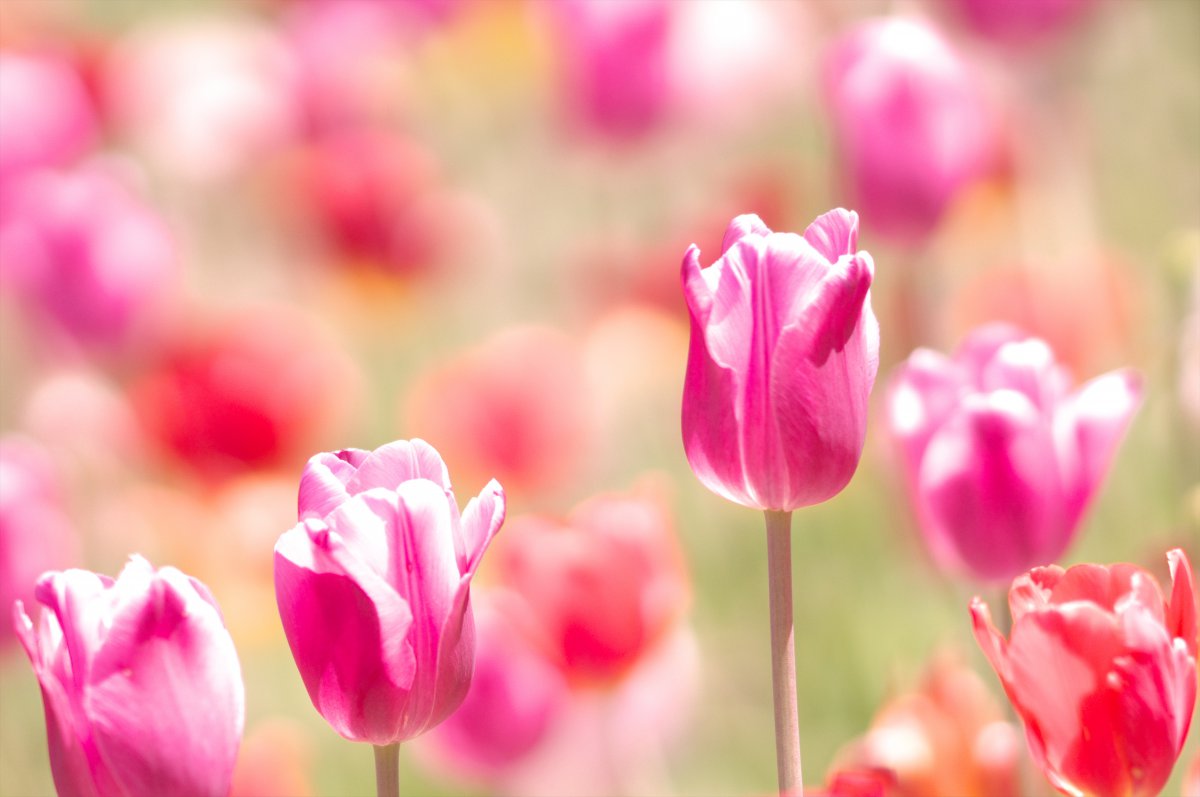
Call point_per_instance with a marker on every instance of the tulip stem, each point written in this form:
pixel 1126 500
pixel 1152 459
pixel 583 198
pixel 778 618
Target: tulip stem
pixel 387 770
pixel 783 653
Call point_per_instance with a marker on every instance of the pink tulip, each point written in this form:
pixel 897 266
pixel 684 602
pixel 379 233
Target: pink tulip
pixel 1191 780
pixel 48 118
pixel 1002 456
pixel 910 122
pixel 140 681
pixel 1023 22
pixel 35 533
pixel 373 587
pixel 1102 670
pixel 88 256
pixel 784 350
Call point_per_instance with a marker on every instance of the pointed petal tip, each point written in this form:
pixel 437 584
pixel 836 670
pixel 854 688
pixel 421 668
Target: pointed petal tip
pixel 746 224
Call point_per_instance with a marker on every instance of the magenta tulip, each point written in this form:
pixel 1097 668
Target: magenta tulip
pixel 1002 457
pixel 910 121
pixel 1102 670
pixel 784 350
pixel 373 587
pixel 140 681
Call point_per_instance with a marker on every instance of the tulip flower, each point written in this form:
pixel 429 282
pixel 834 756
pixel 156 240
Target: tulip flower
pixel 1102 671
pixel 1191 781
pixel 1022 23
pixel 140 682
pixel 373 587
pixel 1002 457
pixel 783 355
pixel 910 121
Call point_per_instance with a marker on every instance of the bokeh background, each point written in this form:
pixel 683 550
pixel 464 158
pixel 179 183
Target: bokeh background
pixel 238 233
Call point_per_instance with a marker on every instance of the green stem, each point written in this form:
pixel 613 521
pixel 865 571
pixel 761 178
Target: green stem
pixel 387 770
pixel 783 653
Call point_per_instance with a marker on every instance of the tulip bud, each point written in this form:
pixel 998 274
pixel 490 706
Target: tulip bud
pixel 140 682
pixel 1102 670
pixel 1002 456
pixel 784 350
pixel 373 587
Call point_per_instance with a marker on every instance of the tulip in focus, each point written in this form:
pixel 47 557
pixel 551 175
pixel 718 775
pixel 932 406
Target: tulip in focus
pixel 140 682
pixel 1102 670
pixel 373 587
pixel 910 122
pixel 784 351
pixel 1001 455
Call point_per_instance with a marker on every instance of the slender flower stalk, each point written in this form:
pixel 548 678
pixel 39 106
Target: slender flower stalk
pixel 387 770
pixel 783 653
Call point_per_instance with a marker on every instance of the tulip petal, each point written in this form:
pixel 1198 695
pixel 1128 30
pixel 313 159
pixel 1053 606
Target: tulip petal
pixel 76 597
pixel 481 521
pixel 348 631
pixel 991 488
pixel 979 347
pixel 1090 426
pixel 835 307
pixel 397 462
pixel 834 234
pixel 740 227
pixel 165 698
pixel 323 483
pixel 1181 612
pixel 1031 591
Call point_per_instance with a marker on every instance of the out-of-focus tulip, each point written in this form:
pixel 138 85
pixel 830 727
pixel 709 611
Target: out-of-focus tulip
pixel 1002 457
pixel 602 588
pixel 910 122
pixel 274 761
pixel 784 351
pixel 255 392
pixel 88 257
pixel 376 201
pixel 48 118
pixel 864 782
pixel 948 738
pixel 1191 781
pixel 205 97
pixel 517 407
pixel 1102 670
pixel 615 63
pixel 35 533
pixel 140 681
pixel 373 587
pixel 515 696
pixel 1023 22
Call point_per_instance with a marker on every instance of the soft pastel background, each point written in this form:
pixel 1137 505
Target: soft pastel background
pixel 337 224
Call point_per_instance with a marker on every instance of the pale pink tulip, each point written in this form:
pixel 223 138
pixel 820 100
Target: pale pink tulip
pixel 140 681
pixel 784 351
pixel 1102 670
pixel 88 256
pixel 48 118
pixel 35 533
pixel 909 120
pixel 373 587
pixel 1002 457
pixel 1191 780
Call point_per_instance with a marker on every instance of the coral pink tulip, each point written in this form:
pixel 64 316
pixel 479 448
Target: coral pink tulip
pixel 373 587
pixel 784 350
pixel 1102 670
pixel 48 117
pixel 602 588
pixel 1002 457
pixel 140 681
pixel 910 121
